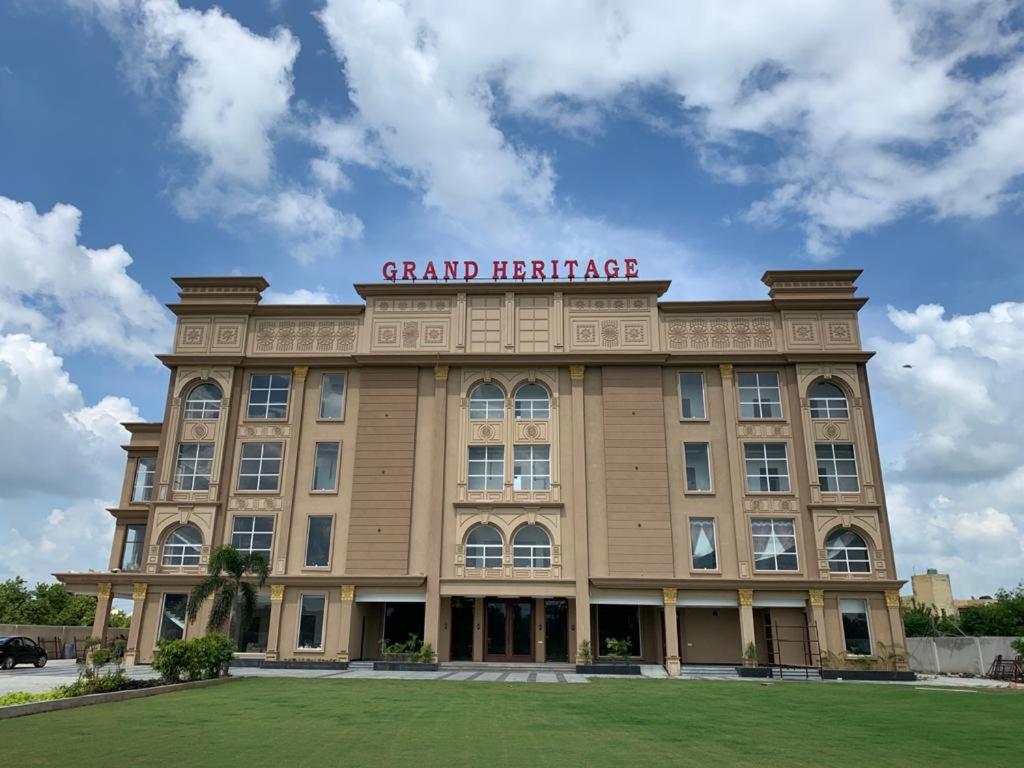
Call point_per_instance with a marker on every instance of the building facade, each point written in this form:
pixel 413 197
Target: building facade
pixel 516 471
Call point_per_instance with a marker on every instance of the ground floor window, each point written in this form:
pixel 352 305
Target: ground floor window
pixel 402 620
pixel 252 635
pixel 172 618
pixel 618 622
pixel 311 621
pixel 856 633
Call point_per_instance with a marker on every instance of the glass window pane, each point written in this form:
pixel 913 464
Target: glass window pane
pixel 691 394
pixel 702 544
pixel 142 489
pixel 332 394
pixel 325 469
pixel 318 542
pixel 856 632
pixel 172 620
pixel 698 470
pixel 311 621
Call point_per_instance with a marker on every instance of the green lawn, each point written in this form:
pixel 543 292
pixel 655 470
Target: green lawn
pixel 322 723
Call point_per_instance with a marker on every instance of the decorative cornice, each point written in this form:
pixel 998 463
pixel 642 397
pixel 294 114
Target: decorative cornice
pixel 745 596
pixel 892 599
pixel 348 593
pixel 139 589
pixel 576 372
pixel 441 373
pixel 104 591
pixel 726 370
pixel 276 593
pixel 816 597
pixel 668 594
pixel 300 372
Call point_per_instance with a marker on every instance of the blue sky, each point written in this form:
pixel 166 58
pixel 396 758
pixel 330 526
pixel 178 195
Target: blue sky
pixel 311 141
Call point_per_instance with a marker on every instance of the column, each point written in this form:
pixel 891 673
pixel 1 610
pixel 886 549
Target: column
pixel 539 619
pixel 579 511
pixel 432 609
pixel 283 531
pixel 131 652
pixel 478 629
pixel 745 597
pixel 348 596
pixel 104 599
pixel 816 600
pixel 737 472
pixel 672 664
pixel 274 628
pixel 899 640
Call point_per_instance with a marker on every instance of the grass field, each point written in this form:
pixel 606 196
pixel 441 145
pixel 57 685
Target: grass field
pixel 321 723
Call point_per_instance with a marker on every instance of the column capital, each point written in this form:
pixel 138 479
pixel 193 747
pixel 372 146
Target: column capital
pixel 892 598
pixel 103 591
pixel 300 372
pixel 816 597
pixel 139 589
pixel 726 370
pixel 440 373
pixel 576 372
pixel 276 593
pixel 745 596
pixel 668 594
pixel 348 593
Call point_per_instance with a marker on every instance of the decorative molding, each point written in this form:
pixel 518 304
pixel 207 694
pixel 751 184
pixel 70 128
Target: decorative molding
pixel 745 597
pixel 441 373
pixel 139 589
pixel 609 304
pixel 668 594
pixel 276 593
pixel 348 593
pixel 892 598
pixel 576 372
pixel 739 333
pixel 300 372
pixel 305 336
pixel 104 591
pixel 816 597
pixel 726 370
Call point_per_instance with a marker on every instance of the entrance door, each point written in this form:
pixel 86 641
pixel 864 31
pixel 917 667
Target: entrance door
pixel 508 631
pixel 556 630
pixel 462 628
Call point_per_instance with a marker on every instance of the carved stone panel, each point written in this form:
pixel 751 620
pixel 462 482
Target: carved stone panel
pixel 486 432
pixel 532 432
pixel 305 335
pixel 719 333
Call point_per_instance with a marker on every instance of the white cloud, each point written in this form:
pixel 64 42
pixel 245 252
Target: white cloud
pixel 299 296
pixel 73 297
pixel 875 109
pixel 958 495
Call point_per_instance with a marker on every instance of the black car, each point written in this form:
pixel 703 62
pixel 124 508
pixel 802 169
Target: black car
pixel 21 650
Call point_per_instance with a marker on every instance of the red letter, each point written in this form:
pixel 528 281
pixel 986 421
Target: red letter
pixel 390 271
pixel 409 270
pixel 451 270
pixel 611 268
pixel 592 270
pixel 538 270
pixel 500 267
pixel 571 265
pixel 554 269
pixel 632 268
pixel 518 270
pixel 470 270
pixel 430 273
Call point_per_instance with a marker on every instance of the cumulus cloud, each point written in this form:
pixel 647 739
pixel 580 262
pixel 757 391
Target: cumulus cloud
pixel 73 297
pixel 958 495
pixel 299 296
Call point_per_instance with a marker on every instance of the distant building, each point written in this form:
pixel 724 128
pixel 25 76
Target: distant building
pixel 934 589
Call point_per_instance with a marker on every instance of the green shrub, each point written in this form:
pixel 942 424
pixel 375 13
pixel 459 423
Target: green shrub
pixel 427 654
pixel 1018 646
pixel 197 659
pixel 171 660
pixel 585 655
pixel 24 697
pixel 620 650
pixel 90 682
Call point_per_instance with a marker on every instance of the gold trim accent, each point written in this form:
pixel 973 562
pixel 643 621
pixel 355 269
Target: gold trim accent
pixel 668 594
pixel 892 599
pixel 104 591
pixel 816 596
pixel 726 370
pixel 348 593
pixel 576 372
pixel 440 373
pixel 139 589
pixel 300 372
pixel 745 596
pixel 276 593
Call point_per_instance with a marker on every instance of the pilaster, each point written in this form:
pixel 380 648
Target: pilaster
pixel 579 511
pixel 104 600
pixel 672 661
pixel 745 598
pixel 439 415
pixel 274 628
pixel 816 600
pixel 348 596
pixel 139 590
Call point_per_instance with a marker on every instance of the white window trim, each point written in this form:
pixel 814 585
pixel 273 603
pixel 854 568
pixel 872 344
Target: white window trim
pixel 486 461
pixel 796 543
pixel 260 474
pixel 288 402
pixel 252 532
pixel 834 463
pixel 164 545
pixel 178 475
pixel 488 400
pixel 534 478
pixel 330 545
pixel 298 622
pixel 739 396
pixel 848 573
pixel 711 470
pixel 344 397
pixel 747 476
pixel 485 550
pixel 828 402
pixel 516 399
pixel 689 540
pixel 205 404
pixel 703 395
pixel 533 550
pixel 337 470
pixel 842 629
pixel 135 480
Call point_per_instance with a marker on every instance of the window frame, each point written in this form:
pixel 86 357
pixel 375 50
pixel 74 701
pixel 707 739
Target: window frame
pixel 165 544
pixel 177 467
pixel 827 400
pixel 834 462
pixel 253 532
pixel 531 417
pixel 344 397
pixel 867 621
pixel 484 556
pixel 747 475
pixel 142 547
pixel 487 461
pixel 504 402
pixel 204 416
pixel 280 469
pixel 846 558
pixel 797 569
pixel 330 544
pixel 139 462
pixel 531 462
pixel 323 623
pixel 337 470
pixel 703 396
pixel 714 533
pixel 711 470
pixel 758 387
pixel 163 611
pixel 532 547
pixel 287 403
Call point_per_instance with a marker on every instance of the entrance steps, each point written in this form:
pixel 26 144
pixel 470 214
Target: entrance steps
pixel 362 666
pixel 499 666
pixel 708 672
pixel 796 673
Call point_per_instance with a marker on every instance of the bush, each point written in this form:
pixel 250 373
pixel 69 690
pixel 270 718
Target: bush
pixel 196 659
pixel 1018 646
pixel 620 650
pixel 585 655
pixel 24 697
pixel 427 654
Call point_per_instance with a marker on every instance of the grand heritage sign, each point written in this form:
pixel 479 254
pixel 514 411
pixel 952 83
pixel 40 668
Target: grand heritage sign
pixel 536 269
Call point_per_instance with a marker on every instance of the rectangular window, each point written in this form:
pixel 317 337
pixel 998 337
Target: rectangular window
pixel 318 542
pixel 195 462
pixel 311 621
pixel 760 397
pixel 703 549
pixel 142 489
pixel 531 468
pixel 774 544
pixel 131 555
pixel 691 395
pixel 767 467
pixel 856 632
pixel 268 396
pixel 332 396
pixel 837 467
pixel 486 468
pixel 172 620
pixel 698 467
pixel 325 467
pixel 253 534
pixel 618 622
pixel 260 468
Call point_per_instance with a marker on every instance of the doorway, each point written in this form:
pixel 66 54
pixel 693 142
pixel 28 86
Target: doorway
pixel 556 630
pixel 508 629
pixel 462 620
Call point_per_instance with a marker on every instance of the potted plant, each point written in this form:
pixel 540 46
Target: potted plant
pixel 411 656
pixel 889 664
pixel 619 659
pixel 750 666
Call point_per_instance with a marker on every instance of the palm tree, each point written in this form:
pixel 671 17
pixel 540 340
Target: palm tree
pixel 229 581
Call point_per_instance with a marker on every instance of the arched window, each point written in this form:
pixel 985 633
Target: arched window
pixel 847 552
pixel 486 401
pixel 183 546
pixel 531 548
pixel 203 402
pixel 532 402
pixel 828 402
pixel 484 548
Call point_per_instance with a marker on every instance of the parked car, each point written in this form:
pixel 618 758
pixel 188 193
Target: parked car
pixel 21 650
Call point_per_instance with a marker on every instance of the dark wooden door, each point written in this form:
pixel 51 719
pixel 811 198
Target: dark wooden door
pixel 508 629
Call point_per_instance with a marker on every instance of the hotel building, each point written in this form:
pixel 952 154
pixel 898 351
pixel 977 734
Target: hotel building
pixel 512 470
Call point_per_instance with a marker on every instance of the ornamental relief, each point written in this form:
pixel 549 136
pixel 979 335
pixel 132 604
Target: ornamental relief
pixel 720 333
pixel 486 432
pixel 532 432
pixel 745 430
pixel 611 333
pixel 825 330
pixel 831 431
pixel 267 431
pixel 189 376
pixel 760 505
pixel 254 504
pixel 508 520
pixel 420 305
pixel 319 336
pixel 866 523
pixel 409 335
pixel 608 304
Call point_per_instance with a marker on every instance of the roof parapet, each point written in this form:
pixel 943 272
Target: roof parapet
pixel 239 292
pixel 811 284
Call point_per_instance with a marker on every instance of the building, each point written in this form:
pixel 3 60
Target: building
pixel 512 470
pixel 934 589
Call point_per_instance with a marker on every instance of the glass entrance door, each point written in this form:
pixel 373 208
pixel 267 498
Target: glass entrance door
pixel 508 635
pixel 556 630
pixel 462 628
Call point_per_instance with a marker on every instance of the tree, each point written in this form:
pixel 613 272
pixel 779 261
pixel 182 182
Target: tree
pixel 229 581
pixel 49 604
